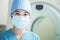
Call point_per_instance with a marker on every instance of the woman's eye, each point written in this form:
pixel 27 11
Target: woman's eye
pixel 17 14
pixel 25 14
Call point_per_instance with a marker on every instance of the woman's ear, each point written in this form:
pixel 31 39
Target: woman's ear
pixel 11 16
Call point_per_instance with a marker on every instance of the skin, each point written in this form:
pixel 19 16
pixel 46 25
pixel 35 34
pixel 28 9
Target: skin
pixel 19 32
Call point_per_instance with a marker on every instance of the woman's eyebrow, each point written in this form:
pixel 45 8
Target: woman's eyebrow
pixel 16 11
pixel 26 12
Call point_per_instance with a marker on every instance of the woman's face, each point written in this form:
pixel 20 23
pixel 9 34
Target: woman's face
pixel 20 19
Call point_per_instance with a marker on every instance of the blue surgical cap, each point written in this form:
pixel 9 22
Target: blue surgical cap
pixel 21 4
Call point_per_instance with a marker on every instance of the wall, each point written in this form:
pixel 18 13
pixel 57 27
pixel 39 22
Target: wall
pixel 4 11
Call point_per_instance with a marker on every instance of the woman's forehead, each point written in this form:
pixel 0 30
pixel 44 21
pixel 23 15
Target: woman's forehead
pixel 20 10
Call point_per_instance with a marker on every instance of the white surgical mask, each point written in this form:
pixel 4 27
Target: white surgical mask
pixel 20 21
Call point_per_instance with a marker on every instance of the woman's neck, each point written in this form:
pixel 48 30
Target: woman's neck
pixel 18 32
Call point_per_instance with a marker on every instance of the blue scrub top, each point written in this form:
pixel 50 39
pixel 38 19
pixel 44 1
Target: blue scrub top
pixel 9 35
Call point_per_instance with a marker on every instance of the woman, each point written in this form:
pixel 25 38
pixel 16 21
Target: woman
pixel 20 14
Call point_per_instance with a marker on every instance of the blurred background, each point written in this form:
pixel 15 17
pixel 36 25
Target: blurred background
pixel 45 18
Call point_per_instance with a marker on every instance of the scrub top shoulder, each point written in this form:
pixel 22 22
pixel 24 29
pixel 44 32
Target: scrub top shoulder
pixel 9 35
pixel 31 36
